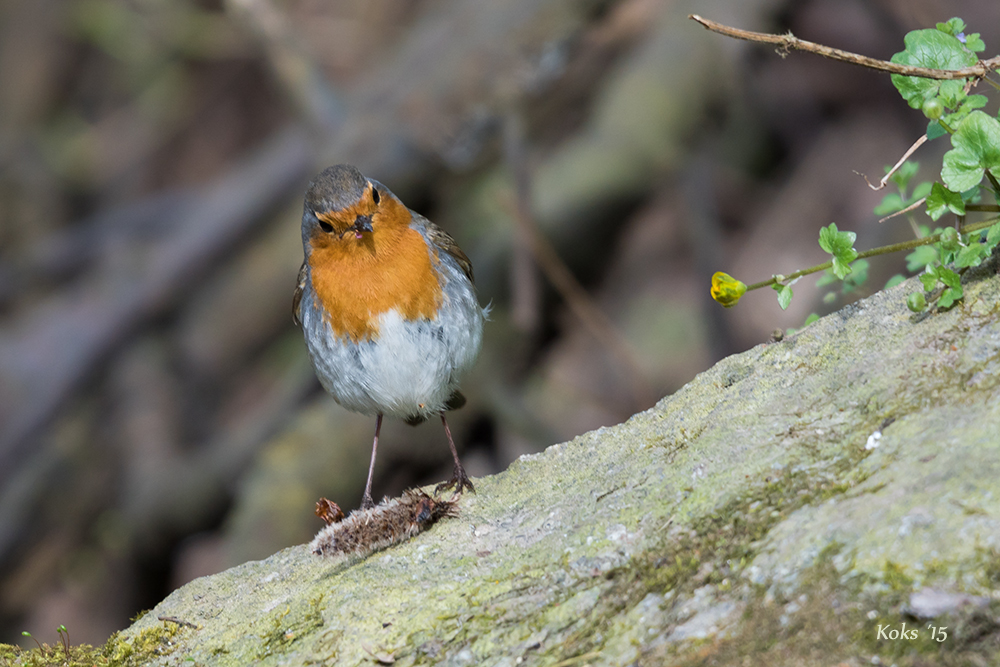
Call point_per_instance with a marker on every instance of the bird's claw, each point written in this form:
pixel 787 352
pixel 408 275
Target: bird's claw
pixel 459 481
pixel 367 503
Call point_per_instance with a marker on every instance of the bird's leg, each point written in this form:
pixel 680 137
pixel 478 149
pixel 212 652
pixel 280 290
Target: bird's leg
pixel 459 480
pixel 366 500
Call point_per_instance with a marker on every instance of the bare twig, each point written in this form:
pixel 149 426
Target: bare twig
pixel 885 179
pixel 790 42
pixel 909 208
pixel 178 621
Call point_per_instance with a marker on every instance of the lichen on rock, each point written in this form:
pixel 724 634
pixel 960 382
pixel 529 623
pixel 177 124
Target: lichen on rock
pixel 742 518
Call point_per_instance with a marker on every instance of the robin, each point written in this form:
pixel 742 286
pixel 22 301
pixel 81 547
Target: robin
pixel 387 305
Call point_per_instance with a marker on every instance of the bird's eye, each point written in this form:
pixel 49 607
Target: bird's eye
pixel 375 196
pixel 325 226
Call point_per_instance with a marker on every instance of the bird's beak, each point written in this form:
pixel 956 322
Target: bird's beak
pixel 363 223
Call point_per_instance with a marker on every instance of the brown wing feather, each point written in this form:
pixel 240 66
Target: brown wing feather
pixel 297 295
pixel 443 241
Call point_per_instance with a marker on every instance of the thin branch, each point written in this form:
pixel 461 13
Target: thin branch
pixel 790 42
pixel 909 208
pixel 885 179
pixel 881 250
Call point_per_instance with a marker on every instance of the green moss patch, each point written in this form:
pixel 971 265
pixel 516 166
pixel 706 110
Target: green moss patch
pixel 139 650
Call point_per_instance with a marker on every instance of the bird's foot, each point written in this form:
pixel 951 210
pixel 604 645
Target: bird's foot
pixel 366 502
pixel 459 481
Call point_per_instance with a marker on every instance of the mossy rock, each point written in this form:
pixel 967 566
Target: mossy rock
pixel 138 648
pixel 783 508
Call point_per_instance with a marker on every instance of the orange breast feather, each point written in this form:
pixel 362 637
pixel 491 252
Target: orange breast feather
pixel 356 280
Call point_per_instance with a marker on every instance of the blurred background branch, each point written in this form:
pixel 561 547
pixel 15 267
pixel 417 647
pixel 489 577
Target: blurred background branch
pixel 299 74
pixel 562 279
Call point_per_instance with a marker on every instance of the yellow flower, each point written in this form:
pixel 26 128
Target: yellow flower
pixel 726 289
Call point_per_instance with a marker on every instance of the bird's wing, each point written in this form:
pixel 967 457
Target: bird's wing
pixel 443 242
pixel 297 295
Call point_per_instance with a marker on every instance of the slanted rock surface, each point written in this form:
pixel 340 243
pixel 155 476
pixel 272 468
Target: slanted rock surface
pixel 795 504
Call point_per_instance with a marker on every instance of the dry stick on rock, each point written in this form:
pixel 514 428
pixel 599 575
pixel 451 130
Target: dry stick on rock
pixel 790 42
pixel 563 280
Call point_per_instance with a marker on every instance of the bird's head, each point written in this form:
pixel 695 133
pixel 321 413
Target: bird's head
pixel 342 206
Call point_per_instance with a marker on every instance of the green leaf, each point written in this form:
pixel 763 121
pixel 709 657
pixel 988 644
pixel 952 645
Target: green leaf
pixel 935 49
pixel 942 200
pixel 972 195
pixel 953 120
pixel 949 277
pixel 935 130
pixel 895 280
pixel 891 203
pixel 949 239
pixel 975 102
pixel 976 148
pixel 971 255
pixel 952 26
pixel 993 234
pixel 952 281
pixel 922 190
pixel 809 320
pixel 857 277
pixel 949 296
pixel 835 242
pixel 952 92
pixel 975 43
pixel 784 295
pixel 921 257
pixel 841 268
pixel 906 171
pixel 841 246
pixel 826 279
pixel 929 278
